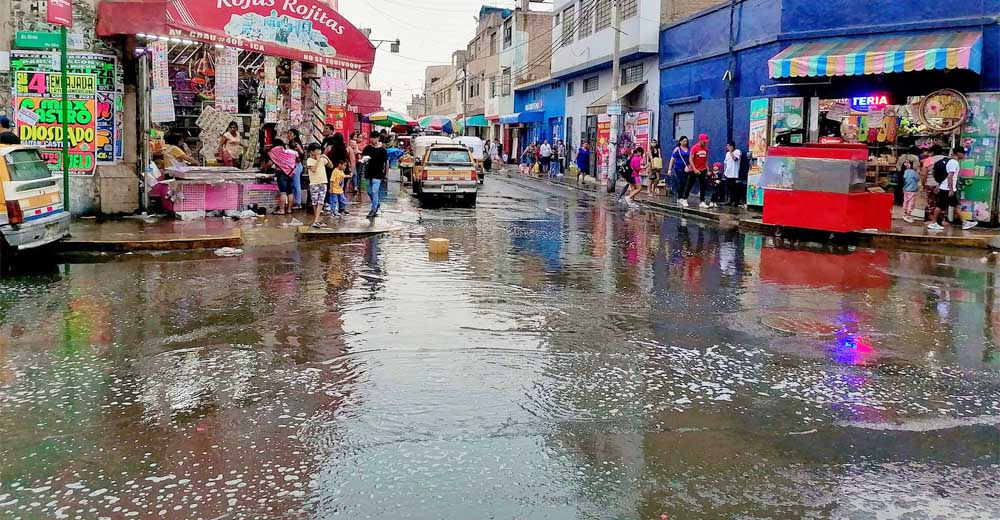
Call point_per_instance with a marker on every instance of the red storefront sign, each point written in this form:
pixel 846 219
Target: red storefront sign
pixel 61 12
pixel 337 116
pixel 301 30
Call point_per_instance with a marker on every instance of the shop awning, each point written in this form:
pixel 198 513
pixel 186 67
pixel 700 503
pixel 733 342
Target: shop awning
pixel 364 101
pixel 303 30
pixel 880 55
pixel 600 106
pixel 476 122
pixel 530 116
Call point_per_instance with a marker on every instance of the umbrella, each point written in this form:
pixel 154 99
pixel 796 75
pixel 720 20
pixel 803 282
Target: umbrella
pixel 476 122
pixel 390 118
pixel 441 123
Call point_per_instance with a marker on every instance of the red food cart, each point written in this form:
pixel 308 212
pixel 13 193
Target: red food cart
pixel 823 187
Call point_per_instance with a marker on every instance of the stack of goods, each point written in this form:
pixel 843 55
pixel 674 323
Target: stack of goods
pixel 213 123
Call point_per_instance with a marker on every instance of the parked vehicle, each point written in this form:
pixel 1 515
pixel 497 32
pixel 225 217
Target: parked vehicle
pixel 420 144
pixel 32 214
pixel 478 149
pixel 447 171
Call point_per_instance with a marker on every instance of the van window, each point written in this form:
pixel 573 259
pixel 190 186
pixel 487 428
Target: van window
pixel 27 165
pixel 449 157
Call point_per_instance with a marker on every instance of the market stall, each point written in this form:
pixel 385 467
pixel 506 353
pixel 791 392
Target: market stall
pixel 204 189
pixel 822 187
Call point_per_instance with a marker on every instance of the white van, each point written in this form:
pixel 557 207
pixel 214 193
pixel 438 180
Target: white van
pixel 478 149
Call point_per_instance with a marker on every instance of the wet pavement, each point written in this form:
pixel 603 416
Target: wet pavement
pixel 566 360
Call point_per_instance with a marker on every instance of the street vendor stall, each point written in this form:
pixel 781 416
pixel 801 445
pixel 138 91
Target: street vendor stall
pixel 219 188
pixel 822 187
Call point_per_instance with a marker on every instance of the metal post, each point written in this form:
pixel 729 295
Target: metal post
pixel 143 95
pixel 65 115
pixel 465 97
pixel 614 105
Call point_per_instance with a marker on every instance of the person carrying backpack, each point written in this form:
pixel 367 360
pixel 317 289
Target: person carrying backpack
pixel 930 158
pixel 946 175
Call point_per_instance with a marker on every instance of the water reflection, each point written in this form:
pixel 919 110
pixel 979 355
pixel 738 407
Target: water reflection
pixel 566 360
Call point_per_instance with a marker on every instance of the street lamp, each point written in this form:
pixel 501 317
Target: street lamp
pixel 393 48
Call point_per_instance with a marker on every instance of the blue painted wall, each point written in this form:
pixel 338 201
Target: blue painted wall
pixel 553 98
pixel 694 55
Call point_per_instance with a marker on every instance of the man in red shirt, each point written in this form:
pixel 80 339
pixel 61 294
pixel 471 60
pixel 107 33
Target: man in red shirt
pixel 698 172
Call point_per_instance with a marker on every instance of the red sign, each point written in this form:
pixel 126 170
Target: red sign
pixel 302 30
pixel 337 116
pixel 61 12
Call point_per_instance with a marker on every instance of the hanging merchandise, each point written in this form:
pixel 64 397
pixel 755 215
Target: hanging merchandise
pixel 213 124
pixel 161 74
pixel 227 80
pixel 270 90
pixel 295 92
pixel 338 92
pixel 162 105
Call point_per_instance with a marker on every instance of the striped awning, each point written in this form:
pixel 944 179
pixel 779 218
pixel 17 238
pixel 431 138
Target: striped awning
pixel 880 55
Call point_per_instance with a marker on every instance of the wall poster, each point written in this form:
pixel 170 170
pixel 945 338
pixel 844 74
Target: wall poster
pixel 38 111
pixel 603 147
pixel 757 148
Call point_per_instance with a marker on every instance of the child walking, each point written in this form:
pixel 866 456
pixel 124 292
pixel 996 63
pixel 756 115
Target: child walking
pixel 338 201
pixel 911 183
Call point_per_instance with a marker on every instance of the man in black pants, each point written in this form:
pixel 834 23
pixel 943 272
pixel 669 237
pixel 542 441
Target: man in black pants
pixel 732 172
pixel 699 173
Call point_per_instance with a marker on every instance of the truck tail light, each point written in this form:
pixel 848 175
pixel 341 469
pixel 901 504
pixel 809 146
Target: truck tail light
pixel 14 213
pixel 475 175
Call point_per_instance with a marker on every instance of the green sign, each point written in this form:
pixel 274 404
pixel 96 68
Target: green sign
pixel 36 40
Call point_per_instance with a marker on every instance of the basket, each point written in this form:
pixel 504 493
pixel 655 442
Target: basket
pixel 222 197
pixel 261 195
pixel 185 197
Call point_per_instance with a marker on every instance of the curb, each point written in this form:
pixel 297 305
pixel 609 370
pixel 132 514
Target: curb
pixel 883 239
pixel 234 239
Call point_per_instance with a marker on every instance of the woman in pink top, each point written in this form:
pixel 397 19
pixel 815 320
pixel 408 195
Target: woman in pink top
pixel 635 182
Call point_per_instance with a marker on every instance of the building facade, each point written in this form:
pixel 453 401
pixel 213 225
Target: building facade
pixel 583 43
pixel 801 67
pixel 538 114
pixel 483 65
pixel 440 89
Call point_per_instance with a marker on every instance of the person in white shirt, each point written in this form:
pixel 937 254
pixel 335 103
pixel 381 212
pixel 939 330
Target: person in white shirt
pixel 545 157
pixel 947 193
pixel 732 172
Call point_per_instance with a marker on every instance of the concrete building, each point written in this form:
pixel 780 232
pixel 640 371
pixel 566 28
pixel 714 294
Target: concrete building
pixel 525 57
pixel 439 89
pixel 416 106
pixel 538 113
pixel 584 46
pixel 483 65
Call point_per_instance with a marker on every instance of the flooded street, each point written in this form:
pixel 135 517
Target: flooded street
pixel 567 360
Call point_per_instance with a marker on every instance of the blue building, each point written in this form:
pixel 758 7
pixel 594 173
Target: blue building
pixel 812 68
pixel 538 115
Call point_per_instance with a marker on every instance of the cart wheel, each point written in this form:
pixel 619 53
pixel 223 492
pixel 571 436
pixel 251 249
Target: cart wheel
pixel 777 231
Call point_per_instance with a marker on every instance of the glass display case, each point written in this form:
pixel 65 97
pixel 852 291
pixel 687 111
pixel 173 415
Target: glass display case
pixel 814 174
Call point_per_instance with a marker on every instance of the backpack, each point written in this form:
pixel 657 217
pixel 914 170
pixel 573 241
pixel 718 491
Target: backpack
pixel 941 170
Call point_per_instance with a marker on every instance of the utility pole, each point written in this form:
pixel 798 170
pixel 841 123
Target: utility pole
pixel 614 105
pixel 465 97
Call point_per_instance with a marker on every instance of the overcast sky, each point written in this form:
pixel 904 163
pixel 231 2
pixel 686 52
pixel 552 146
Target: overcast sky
pixel 429 31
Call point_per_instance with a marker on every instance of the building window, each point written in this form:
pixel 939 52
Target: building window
pixel 554 86
pixel 591 84
pixel 472 49
pixel 586 18
pixel 569 19
pixel 602 15
pixel 683 125
pixel 630 8
pixel 508 33
pixel 569 88
pixel 505 82
pixel 474 88
pixel 493 86
pixel 632 74
pixel 493 43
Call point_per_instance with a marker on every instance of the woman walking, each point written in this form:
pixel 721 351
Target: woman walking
pixel 654 158
pixel 293 141
pixel 680 164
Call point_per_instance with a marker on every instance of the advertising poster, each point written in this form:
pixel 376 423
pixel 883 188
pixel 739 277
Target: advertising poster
pixel 757 148
pixel 162 105
pixel 979 137
pixel 109 108
pixel 161 74
pixel 787 118
pixel 603 146
pixel 337 117
pixel 338 92
pixel 227 80
pixel 637 130
pixel 270 90
pixel 38 116
pixel 295 92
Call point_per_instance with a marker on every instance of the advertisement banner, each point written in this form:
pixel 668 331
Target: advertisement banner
pixel 161 75
pixel 39 110
pixel 603 146
pixel 637 130
pixel 757 148
pixel 110 111
pixel 787 118
pixel 337 116
pixel 60 12
pixel 300 30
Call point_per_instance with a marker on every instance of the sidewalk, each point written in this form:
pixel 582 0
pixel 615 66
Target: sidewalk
pixel 901 234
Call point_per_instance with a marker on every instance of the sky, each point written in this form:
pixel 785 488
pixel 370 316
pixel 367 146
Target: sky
pixel 428 30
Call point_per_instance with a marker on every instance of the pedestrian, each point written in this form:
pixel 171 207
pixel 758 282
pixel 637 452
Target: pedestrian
pixel 680 164
pixel 698 172
pixel 528 159
pixel 946 174
pixel 284 163
pixel 300 186
pixel 554 163
pixel 7 136
pixel 491 153
pixel 353 152
pixel 930 157
pixel 654 158
pixel 913 156
pixel 376 170
pixel 545 157
pixel 561 152
pixel 911 183
pixel 338 179
pixel 583 161
pixel 635 164
pixel 316 166
pixel 717 184
pixel 732 172
pixel 230 145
